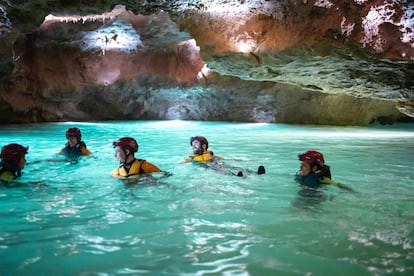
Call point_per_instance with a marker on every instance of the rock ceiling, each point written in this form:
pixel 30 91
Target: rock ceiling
pixel 56 55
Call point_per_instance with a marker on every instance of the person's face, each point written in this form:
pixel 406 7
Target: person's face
pixel 72 140
pixel 197 148
pixel 22 162
pixel 120 154
pixel 305 168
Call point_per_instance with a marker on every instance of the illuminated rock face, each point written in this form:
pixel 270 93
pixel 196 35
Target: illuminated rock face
pixel 257 61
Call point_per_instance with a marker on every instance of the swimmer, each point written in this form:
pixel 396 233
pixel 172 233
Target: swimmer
pixel 125 149
pixel 75 147
pixel 313 172
pixel 319 159
pixel 13 160
pixel 202 155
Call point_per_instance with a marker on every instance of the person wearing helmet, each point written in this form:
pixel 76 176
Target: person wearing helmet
pixel 75 147
pixel 308 175
pixel 125 149
pixel 12 161
pixel 317 158
pixel 313 172
pixel 201 154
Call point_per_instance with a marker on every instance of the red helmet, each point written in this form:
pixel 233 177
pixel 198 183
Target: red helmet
pixel 75 132
pixel 201 139
pixel 311 156
pixel 13 152
pixel 127 142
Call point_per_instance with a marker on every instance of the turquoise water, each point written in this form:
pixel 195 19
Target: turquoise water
pixel 64 219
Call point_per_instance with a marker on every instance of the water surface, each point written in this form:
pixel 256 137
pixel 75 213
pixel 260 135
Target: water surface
pixel 75 219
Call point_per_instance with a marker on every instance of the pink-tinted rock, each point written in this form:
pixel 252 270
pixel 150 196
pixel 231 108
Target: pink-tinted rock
pixel 261 61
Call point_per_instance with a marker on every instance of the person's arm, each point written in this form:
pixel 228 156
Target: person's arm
pixel 212 156
pixel 115 172
pixel 216 157
pixel 326 180
pixel 187 160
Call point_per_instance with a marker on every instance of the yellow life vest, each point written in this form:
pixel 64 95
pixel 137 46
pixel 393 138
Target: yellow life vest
pixel 7 176
pixel 205 157
pixel 85 151
pixel 134 170
pixel 327 180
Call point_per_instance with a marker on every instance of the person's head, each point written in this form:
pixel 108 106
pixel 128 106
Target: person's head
pixel 125 148
pixel 199 144
pixel 13 157
pixel 306 168
pixel 314 156
pixel 311 161
pixel 73 135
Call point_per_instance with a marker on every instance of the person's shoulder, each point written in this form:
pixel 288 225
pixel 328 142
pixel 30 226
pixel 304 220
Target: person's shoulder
pixel 84 150
pixel 143 161
pixel 148 166
pixel 211 153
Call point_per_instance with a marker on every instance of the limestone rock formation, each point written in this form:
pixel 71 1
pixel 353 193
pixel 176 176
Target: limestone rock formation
pixel 305 61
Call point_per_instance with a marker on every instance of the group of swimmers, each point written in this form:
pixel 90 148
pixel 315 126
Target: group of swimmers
pixel 313 172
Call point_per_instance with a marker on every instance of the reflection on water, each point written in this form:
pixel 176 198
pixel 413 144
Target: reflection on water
pixel 309 198
pixel 199 221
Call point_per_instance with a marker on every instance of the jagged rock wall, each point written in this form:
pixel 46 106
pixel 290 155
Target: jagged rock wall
pixel 257 61
pixel 216 99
